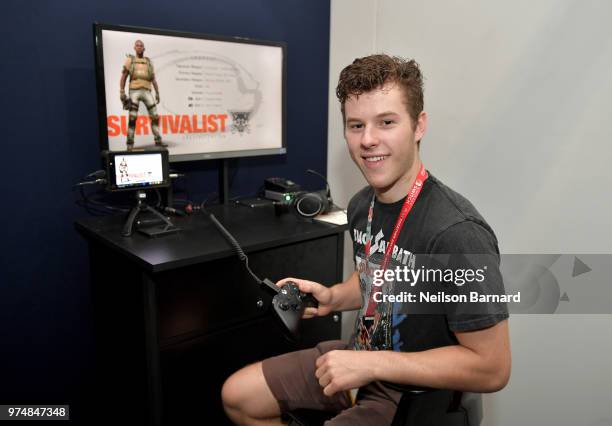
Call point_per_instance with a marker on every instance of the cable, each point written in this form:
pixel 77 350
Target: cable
pixel 322 177
pixel 230 239
pixel 182 201
pixel 265 283
pixel 98 174
pixel 90 204
pixel 90 182
pixel 327 188
pixel 91 210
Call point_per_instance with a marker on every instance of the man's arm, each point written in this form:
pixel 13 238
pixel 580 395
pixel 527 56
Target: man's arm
pixel 346 296
pixel 122 96
pixel 154 81
pixel 124 75
pixel 479 363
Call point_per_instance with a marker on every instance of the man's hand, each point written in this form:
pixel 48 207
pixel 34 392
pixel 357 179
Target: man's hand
pixel 124 100
pixel 318 291
pixel 343 370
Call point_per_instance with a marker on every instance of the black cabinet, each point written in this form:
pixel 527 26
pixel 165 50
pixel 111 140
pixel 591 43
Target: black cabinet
pixel 174 316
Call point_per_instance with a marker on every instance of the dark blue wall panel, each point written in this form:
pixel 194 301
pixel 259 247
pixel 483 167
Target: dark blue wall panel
pixel 50 140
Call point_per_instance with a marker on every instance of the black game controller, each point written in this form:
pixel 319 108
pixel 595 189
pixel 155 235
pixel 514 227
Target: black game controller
pixel 289 305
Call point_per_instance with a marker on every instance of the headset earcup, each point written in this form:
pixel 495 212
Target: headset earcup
pixel 329 204
pixel 309 204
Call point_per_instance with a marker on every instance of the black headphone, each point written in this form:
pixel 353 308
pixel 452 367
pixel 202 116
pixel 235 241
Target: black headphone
pixel 310 204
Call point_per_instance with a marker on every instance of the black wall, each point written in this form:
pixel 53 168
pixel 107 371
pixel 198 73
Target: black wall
pixel 50 139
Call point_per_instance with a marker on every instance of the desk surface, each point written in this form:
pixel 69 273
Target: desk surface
pixel 199 240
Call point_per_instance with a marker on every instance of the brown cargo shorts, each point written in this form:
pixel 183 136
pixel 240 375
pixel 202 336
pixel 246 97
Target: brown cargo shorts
pixel 291 378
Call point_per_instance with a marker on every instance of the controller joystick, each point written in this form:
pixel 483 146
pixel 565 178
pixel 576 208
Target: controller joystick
pixel 289 305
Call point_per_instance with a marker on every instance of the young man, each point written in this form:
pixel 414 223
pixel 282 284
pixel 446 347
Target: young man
pixel 404 213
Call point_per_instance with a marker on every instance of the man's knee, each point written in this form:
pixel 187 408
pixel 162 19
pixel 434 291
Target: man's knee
pixel 133 115
pixel 246 393
pixel 231 392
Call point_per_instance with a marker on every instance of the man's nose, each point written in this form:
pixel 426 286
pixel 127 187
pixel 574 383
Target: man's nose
pixel 370 138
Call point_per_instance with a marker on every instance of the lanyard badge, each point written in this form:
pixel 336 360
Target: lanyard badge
pixel 399 223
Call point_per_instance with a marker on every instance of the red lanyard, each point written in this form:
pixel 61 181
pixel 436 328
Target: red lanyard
pixel 399 224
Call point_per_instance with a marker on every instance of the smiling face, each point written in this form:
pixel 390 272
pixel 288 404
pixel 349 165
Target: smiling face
pixel 382 140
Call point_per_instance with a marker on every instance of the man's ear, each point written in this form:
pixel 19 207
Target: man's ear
pixel 421 126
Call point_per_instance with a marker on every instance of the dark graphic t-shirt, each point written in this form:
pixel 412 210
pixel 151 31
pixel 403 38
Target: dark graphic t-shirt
pixel 441 225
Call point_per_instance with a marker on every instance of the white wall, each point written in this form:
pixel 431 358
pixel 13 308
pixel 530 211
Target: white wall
pixel 519 96
pixel 346 43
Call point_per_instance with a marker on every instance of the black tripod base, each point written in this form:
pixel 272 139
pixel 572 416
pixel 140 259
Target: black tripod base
pixel 158 230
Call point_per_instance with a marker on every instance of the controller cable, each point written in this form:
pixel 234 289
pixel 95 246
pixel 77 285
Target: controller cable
pixel 266 283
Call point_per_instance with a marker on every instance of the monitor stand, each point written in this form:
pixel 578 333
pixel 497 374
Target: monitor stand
pixel 152 231
pixel 224 181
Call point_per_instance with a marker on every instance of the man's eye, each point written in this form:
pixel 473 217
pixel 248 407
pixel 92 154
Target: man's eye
pixel 387 122
pixel 356 126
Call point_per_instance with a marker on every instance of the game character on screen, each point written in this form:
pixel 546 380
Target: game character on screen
pixel 142 76
pixel 123 171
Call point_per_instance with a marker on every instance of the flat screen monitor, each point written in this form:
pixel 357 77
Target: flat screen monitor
pixel 199 96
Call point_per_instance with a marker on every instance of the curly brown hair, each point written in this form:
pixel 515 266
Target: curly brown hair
pixel 370 72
